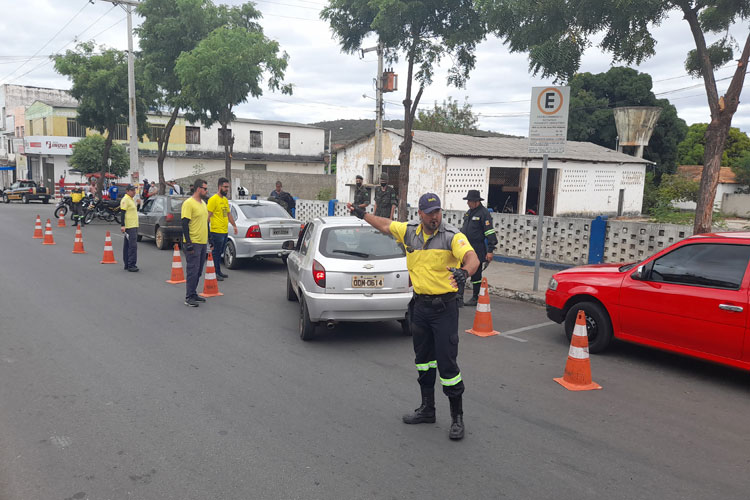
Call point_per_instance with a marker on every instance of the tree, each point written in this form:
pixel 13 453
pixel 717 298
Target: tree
pixel 89 151
pixel 555 33
pixel 741 169
pixel 591 119
pixel 691 150
pixel 169 28
pixel 100 83
pixel 448 117
pixel 424 31
pixel 227 66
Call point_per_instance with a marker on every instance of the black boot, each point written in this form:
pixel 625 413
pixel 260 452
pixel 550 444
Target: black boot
pixel 457 418
pixel 425 414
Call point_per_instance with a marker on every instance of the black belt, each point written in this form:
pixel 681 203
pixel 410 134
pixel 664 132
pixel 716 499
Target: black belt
pixel 445 297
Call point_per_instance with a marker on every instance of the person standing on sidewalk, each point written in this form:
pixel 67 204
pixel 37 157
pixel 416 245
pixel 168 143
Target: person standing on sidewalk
pixel 129 229
pixel 385 198
pixel 479 228
pixel 435 252
pixel 195 238
pixel 361 193
pixel 219 217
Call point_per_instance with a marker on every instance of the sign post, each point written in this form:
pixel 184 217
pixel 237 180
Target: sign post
pixel 548 131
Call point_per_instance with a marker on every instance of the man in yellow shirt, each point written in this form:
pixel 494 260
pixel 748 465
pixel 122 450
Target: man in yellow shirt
pixel 195 238
pixel 219 217
pixel 129 228
pixel 439 258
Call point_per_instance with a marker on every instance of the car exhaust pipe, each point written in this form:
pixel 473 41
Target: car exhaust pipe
pixel 330 324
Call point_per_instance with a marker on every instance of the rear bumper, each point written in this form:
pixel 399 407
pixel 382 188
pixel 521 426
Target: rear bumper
pixel 247 248
pixel 357 307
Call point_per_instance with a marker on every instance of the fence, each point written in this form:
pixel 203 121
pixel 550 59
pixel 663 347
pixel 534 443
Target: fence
pixel 569 241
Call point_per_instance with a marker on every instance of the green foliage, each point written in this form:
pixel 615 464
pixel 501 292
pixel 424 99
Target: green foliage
pixel 100 83
pixel 326 194
pixel 424 30
pixel 448 117
pixel 741 169
pixel 658 198
pixel 592 97
pixel 690 150
pixel 719 53
pixel 89 151
pixel 224 68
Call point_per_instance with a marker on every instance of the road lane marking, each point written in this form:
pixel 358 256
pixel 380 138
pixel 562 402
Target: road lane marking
pixel 509 334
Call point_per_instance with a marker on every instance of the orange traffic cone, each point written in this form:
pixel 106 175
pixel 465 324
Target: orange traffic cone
pixel 61 220
pixel 210 285
pixel 177 275
pixel 38 234
pixel 483 317
pixel 48 239
pixel 78 245
pixel 109 255
pixel 577 375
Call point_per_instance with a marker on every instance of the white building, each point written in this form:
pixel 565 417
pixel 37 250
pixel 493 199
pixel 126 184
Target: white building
pixel 728 184
pixel 586 180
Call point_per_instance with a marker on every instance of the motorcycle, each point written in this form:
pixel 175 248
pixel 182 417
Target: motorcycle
pixel 65 206
pixel 106 210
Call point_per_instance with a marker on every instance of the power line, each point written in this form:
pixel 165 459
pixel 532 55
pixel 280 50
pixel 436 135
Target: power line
pixel 5 78
pixel 288 4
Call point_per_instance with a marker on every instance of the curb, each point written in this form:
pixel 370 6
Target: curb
pixel 517 295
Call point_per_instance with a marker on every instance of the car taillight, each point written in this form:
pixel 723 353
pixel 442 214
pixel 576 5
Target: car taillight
pixel 301 228
pixel 319 274
pixel 253 232
pixel 169 217
pixel 31 190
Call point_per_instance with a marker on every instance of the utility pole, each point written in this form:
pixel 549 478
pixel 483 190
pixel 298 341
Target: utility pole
pixel 128 6
pixel 377 161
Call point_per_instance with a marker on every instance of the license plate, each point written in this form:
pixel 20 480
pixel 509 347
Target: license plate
pixel 279 232
pixel 367 281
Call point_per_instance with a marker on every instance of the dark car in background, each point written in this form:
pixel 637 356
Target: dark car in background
pixel 160 218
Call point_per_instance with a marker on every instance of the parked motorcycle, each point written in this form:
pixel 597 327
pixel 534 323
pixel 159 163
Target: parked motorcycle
pixel 106 210
pixel 64 206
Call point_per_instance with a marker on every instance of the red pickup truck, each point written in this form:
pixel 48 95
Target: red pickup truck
pixel 691 298
pixel 26 191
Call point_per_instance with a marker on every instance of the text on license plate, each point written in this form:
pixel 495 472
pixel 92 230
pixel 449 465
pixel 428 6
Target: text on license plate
pixel 367 281
pixel 278 231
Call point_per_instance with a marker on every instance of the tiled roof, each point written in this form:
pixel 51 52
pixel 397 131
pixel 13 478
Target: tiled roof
pixel 507 147
pixel 694 172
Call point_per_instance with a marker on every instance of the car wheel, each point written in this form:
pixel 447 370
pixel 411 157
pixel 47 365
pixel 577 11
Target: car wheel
pixel 25 199
pixel 6 199
pixel 284 258
pixel 406 325
pixel 139 237
pixel 160 238
pixel 45 200
pixel 598 325
pixel 306 327
pixel 62 210
pixel 230 256
pixel 290 295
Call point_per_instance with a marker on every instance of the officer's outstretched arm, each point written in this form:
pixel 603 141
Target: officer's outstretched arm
pixel 471 262
pixel 382 224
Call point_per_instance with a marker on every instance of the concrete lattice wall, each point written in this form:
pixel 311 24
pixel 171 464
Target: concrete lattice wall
pixel 565 240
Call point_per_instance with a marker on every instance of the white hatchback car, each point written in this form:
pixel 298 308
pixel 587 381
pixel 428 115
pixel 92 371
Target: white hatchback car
pixel 342 269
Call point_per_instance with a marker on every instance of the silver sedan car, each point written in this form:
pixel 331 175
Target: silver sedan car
pixel 262 228
pixel 342 269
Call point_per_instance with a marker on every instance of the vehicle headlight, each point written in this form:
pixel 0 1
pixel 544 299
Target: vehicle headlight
pixel 552 284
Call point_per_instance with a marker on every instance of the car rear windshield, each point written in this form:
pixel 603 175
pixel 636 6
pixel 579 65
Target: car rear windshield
pixel 260 211
pixel 358 243
pixel 177 204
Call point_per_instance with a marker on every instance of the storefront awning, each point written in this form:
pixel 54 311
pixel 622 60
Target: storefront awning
pixel 7 167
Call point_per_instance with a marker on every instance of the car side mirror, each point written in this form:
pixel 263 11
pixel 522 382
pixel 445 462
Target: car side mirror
pixel 640 273
pixel 289 245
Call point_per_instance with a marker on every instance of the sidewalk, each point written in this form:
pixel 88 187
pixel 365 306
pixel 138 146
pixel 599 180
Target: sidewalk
pixel 516 281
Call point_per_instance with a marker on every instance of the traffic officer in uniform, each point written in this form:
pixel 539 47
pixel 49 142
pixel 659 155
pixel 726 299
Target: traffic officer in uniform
pixel 361 194
pixel 478 228
pixel 439 259
pixel 385 198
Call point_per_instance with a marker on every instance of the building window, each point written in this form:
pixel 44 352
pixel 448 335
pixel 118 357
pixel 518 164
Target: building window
pixel 192 135
pixel 121 132
pixel 256 139
pixel 225 134
pixel 155 132
pixel 284 140
pixel 31 127
pixel 75 129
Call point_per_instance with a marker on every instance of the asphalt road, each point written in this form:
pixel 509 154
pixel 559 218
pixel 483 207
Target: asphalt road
pixel 110 388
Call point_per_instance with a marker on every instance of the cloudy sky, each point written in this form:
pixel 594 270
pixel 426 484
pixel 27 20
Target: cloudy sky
pixel 331 85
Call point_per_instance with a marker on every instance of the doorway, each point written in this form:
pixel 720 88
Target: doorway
pixel 504 189
pixel 532 191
